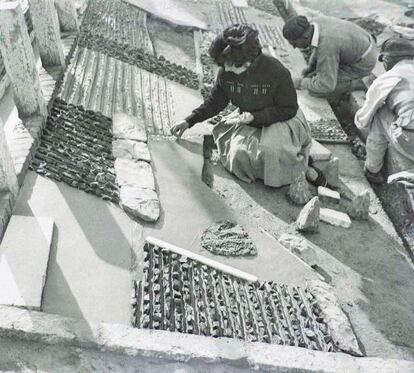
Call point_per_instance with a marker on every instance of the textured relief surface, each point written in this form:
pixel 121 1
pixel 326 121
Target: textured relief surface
pixel 120 31
pixel 106 85
pixel 182 295
pixel 228 239
pixel 76 148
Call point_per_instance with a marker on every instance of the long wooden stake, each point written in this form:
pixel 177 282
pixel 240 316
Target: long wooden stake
pixel 202 259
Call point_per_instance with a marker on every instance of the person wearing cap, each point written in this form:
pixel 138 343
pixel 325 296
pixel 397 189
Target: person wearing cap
pixel 342 53
pixel 388 110
pixel 267 137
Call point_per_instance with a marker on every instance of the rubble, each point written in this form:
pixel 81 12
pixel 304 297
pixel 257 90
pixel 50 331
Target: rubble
pixel 228 239
pixel 299 192
pixel 334 217
pixel 308 219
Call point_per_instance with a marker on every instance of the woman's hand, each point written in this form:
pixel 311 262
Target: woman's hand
pixel 241 119
pixel 297 82
pixel 179 128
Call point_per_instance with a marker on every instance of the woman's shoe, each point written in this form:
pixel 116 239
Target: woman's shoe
pixel 320 180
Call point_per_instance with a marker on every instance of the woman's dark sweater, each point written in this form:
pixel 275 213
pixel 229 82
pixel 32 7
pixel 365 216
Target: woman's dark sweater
pixel 265 90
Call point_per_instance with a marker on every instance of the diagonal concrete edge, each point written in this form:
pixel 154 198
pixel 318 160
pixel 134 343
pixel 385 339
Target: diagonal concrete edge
pixel 338 322
pixel 162 345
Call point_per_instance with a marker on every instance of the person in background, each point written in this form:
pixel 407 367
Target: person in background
pixel 342 53
pixel 267 137
pixel 388 110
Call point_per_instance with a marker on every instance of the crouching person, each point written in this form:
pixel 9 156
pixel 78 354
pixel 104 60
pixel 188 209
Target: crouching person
pixel 267 137
pixel 342 53
pixel 388 111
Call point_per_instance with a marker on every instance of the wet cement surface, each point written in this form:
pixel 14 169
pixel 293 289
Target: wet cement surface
pixel 189 207
pixel 89 264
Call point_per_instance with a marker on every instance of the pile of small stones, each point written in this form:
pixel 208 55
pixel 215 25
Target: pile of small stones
pixel 76 148
pixel 228 239
pixel 181 295
pixel 328 131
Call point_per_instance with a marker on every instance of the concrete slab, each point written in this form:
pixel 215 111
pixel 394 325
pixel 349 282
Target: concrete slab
pixel 24 256
pixel 61 344
pixel 89 275
pixel 189 207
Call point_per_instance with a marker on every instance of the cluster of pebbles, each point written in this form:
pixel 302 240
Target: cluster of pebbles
pixel 328 131
pixel 181 295
pixel 125 25
pixel 121 48
pixel 76 148
pixel 228 239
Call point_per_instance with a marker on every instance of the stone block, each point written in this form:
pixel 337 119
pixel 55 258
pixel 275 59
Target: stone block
pixel 328 195
pixel 299 192
pixel 331 172
pixel 131 149
pixel 24 256
pixel 308 219
pixel 319 153
pixel 128 127
pixel 140 202
pixel 136 173
pixel 334 217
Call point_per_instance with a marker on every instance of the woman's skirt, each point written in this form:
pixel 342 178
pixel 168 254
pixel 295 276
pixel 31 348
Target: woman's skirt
pixel 277 154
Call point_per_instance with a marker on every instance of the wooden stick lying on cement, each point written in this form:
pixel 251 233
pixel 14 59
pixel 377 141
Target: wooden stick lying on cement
pixel 202 259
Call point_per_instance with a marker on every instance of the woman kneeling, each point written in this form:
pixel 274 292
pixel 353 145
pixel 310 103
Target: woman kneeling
pixel 267 137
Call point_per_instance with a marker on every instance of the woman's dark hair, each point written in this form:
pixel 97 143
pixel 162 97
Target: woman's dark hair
pixel 237 44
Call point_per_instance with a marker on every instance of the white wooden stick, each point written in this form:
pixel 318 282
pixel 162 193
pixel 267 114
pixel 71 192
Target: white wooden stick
pixel 202 259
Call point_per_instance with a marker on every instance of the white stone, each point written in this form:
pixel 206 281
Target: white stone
pixel 308 219
pixel 134 173
pixel 131 149
pixel 140 202
pixel 319 153
pixel 328 195
pixel 300 246
pixel 334 217
pixel 128 127
pixel 24 256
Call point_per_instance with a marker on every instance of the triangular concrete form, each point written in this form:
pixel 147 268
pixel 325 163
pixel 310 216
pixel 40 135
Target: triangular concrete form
pixel 24 256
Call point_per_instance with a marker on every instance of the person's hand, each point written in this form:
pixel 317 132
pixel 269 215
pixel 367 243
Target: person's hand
pixel 297 83
pixel 307 71
pixel 179 128
pixel 241 119
pixel 396 132
pixel 403 177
